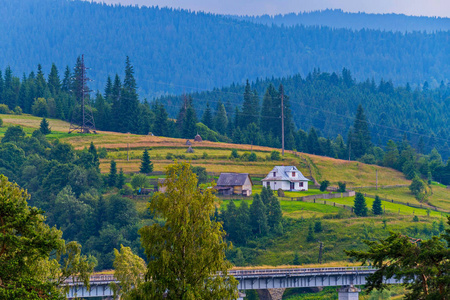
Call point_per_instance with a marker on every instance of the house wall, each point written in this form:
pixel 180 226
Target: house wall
pixel 286 185
pixel 247 186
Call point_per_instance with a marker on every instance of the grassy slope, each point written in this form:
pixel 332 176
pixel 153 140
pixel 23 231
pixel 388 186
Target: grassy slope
pixel 338 234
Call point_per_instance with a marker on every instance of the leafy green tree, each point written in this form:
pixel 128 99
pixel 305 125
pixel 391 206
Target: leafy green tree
pixel 376 206
pixel 185 251
pixel 29 268
pixel 128 270
pixel 422 265
pixel 139 181
pixel 417 188
pixel 359 206
pixel 44 127
pixel 121 211
pixel 275 155
pixel 324 185
pixel 296 261
pixel 258 216
pixel 202 175
pixel 146 163
pixel 112 176
pixel 234 154
pixel 13 134
pixel 63 153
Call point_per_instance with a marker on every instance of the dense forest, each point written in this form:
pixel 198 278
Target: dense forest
pixel 176 50
pixel 336 18
pixel 401 127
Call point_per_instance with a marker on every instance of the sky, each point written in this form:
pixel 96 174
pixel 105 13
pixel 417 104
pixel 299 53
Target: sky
pixel 439 8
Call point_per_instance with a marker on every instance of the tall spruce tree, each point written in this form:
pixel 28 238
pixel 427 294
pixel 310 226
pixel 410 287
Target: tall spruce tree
pixel 116 121
pixel 146 163
pixel 160 126
pixel 248 114
pixel 221 119
pixel 207 118
pixel 266 119
pixel 189 129
pixel 258 217
pixel 129 102
pixel 94 153
pixel 112 176
pixel 360 139
pixel 44 127
pixel 376 206
pixel 360 206
pixel 54 83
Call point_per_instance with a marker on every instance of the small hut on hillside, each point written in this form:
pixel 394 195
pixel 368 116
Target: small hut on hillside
pixel 198 138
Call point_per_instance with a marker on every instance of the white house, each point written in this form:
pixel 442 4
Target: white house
pixel 287 178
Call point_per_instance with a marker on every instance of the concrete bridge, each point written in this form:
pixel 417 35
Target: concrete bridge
pixel 269 283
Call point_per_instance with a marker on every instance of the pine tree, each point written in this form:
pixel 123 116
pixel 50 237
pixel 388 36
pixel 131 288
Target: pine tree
pixel 360 135
pixel 207 117
pixel 310 237
pixel 189 123
pixel 112 176
pixel 248 110
pixel 221 120
pixel 266 111
pixel 94 153
pixel 258 217
pixel 129 102
pixel 44 126
pixel 41 84
pixel 376 206
pixel 160 126
pixel 65 85
pixel 360 207
pixel 275 213
pixel 116 121
pixel 146 163
pixel 120 179
pixel 54 83
pixel 243 219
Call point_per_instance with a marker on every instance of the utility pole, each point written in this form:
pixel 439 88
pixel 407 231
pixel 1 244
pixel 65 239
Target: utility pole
pixel 377 179
pixel 282 120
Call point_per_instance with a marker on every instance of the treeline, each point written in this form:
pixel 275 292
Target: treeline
pixel 177 49
pixel 258 122
pixel 336 18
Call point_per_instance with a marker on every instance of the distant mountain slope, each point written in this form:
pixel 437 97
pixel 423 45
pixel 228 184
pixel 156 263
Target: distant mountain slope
pixel 176 50
pixel 336 18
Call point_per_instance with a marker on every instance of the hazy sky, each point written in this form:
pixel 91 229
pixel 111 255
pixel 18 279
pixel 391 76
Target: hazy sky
pixel 439 8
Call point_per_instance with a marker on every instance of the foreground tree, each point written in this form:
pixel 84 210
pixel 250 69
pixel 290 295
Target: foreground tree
pixel 423 265
pixel 44 127
pixel 186 253
pixel 26 243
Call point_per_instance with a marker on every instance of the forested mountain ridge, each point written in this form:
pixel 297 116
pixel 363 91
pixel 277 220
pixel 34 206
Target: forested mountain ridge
pixel 328 102
pixel 336 18
pixel 176 50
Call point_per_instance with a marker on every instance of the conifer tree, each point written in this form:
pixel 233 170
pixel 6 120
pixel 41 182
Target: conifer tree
pixel 221 120
pixel 266 111
pixel 94 153
pixel 207 117
pixel 120 179
pixel 189 123
pixel 129 102
pixel 275 214
pixel 360 207
pixel 258 217
pixel 41 84
pixel 146 163
pixel 112 176
pixel 243 219
pixel 65 85
pixel 248 113
pixel 160 126
pixel 44 126
pixel 54 83
pixel 376 206
pixel 360 135
pixel 310 237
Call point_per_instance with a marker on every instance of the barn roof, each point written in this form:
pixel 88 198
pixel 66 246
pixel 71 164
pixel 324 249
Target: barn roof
pixel 232 179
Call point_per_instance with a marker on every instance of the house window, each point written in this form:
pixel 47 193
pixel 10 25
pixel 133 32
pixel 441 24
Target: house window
pixel 300 184
pixel 293 174
pixel 274 174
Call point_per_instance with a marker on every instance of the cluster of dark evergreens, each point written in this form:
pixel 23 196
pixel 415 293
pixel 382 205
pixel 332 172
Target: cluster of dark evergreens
pixel 259 122
pixel 175 50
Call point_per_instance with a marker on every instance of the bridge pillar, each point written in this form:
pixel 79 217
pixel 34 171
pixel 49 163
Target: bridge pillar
pixel 348 293
pixel 271 294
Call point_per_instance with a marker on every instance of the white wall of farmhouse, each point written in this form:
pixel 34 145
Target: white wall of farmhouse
pixel 286 185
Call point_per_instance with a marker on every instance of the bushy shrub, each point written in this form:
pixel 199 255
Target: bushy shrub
pixel 4 109
pixel 252 157
pixel 234 154
pixel 275 155
pixel 342 187
pixel 324 185
pixel 17 110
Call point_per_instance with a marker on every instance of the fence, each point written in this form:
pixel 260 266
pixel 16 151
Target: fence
pixel 422 206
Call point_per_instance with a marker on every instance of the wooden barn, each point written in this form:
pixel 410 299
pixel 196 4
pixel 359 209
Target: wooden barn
pixel 234 184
